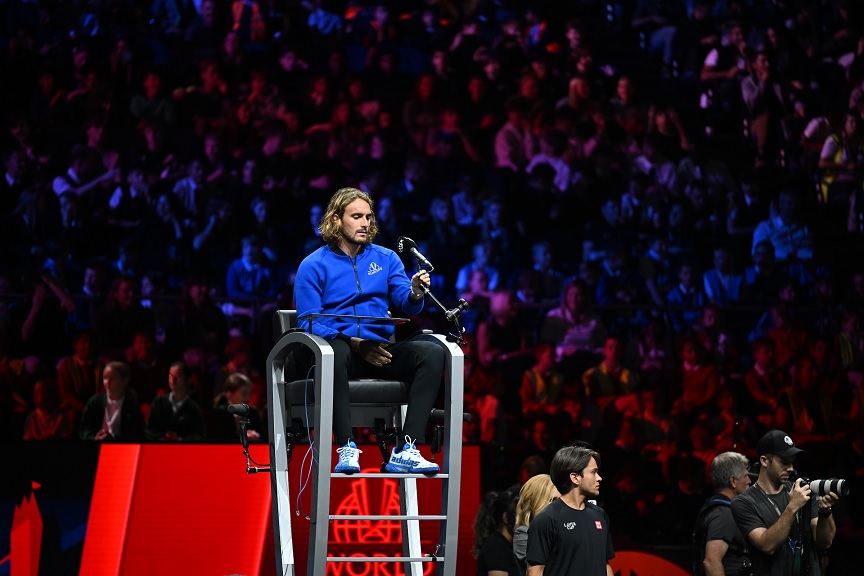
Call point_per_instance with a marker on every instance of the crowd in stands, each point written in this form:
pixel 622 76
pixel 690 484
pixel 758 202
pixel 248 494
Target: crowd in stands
pixel 654 209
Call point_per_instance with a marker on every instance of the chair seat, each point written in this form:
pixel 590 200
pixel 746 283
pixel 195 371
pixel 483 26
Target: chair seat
pixel 362 392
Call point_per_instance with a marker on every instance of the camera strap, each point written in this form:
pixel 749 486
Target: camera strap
pixel 796 547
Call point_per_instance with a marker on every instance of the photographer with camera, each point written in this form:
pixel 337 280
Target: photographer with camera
pixel 719 547
pixel 778 516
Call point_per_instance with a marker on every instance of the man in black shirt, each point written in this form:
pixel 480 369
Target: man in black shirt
pixel 720 544
pixel 571 535
pixel 772 512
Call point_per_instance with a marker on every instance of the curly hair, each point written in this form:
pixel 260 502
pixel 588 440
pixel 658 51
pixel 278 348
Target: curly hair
pixel 496 512
pixel 331 227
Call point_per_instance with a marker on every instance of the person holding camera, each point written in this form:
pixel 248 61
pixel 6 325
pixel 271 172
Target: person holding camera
pixel 784 522
pixel 719 546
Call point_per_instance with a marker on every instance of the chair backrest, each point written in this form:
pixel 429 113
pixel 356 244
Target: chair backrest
pixel 284 321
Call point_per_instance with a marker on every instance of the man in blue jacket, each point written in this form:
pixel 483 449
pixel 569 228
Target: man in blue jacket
pixel 350 275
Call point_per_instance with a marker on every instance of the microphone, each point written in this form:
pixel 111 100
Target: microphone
pixel 406 243
pixel 241 410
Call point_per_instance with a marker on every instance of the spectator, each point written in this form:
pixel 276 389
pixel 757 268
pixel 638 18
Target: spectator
pixel 119 318
pixel 576 330
pixel 175 417
pixel 685 300
pixel 113 415
pixel 722 284
pixel 78 377
pixel 251 275
pixel 225 426
pixel 482 256
pixel 543 390
pixel 787 232
pixel 47 421
pixel 609 383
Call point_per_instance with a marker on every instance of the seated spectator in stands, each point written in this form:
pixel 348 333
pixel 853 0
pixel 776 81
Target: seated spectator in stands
pixel 78 377
pixel 78 178
pixel 113 415
pixel 176 417
pixel 542 440
pixel 482 256
pixel 723 285
pixel 602 231
pixel 658 429
pixel 732 428
pixel 47 421
pixel 225 426
pixel 478 295
pixel 503 346
pixel 572 326
pixel 654 163
pixel 445 240
pixel 544 392
pixel 41 322
pixel 656 270
pixel 721 70
pixel 841 161
pixel 686 300
pixel 767 107
pixel 697 382
pixel 193 193
pixel 789 337
pixel 650 349
pixel 151 102
pixel 718 342
pixel 610 383
pixel 764 382
pixel 251 275
pixel 147 372
pixel 764 278
pixel 262 222
pixel 119 318
pixel 812 405
pixel 514 142
pixel 129 205
pixel 552 145
pixel 548 278
pixel 72 235
pixel 788 233
pixel 201 324
pixel 849 343
pixel 503 234
pixel 618 287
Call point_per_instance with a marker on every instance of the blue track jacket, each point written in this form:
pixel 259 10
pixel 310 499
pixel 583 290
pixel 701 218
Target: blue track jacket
pixel 328 281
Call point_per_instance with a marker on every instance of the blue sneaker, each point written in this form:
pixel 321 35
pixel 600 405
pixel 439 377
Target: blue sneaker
pixel 409 461
pixel 349 459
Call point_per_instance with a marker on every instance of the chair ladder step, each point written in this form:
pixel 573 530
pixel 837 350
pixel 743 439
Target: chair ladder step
pixel 349 517
pixel 388 475
pixel 385 559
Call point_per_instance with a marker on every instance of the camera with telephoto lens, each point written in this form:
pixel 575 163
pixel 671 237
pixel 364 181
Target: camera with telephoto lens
pixel 824 487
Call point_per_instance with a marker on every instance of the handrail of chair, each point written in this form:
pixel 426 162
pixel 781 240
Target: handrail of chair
pixel 367 319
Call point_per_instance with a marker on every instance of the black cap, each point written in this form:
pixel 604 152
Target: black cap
pixel 777 442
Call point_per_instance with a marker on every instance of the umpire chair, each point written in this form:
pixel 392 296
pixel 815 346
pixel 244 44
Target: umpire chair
pixel 292 395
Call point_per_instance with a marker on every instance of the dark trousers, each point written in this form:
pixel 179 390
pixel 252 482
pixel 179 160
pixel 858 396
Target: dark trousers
pixel 417 362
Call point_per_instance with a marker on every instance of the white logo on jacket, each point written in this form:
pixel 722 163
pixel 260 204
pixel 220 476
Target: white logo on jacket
pixel 374 269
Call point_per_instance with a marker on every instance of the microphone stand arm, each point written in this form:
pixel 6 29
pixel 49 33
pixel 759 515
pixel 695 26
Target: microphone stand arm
pixel 452 314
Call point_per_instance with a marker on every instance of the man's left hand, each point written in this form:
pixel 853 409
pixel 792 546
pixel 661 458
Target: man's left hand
pixel 828 501
pixel 420 277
